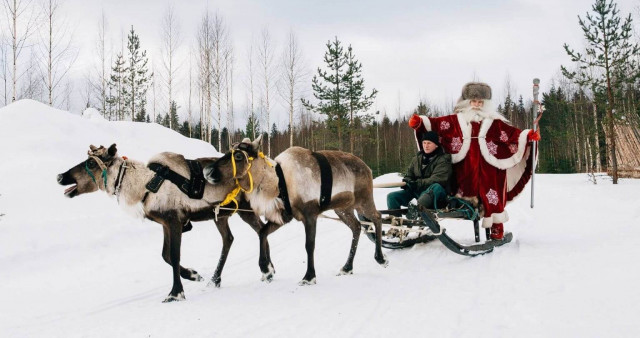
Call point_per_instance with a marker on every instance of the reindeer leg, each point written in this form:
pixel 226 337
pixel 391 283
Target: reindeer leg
pixel 310 232
pixel 257 226
pixel 185 273
pixel 370 212
pixel 350 220
pixel 172 239
pixel 227 239
pixel 265 255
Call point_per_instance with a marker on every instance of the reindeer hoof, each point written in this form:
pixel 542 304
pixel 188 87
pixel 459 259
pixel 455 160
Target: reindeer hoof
pixel 344 272
pixel 193 275
pixel 214 282
pixel 177 298
pixel 307 282
pixel 268 276
pixel 383 261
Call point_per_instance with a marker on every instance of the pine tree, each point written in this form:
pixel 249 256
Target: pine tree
pixel 165 120
pixel 422 109
pixel 115 100
pixel 252 129
pixel 329 88
pixel 174 122
pixel 136 81
pixel 141 116
pixel 611 51
pixel 357 100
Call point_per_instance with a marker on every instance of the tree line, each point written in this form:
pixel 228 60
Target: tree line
pixel 590 123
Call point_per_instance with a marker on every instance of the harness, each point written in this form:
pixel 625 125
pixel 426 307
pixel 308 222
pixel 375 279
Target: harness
pixel 102 166
pixel 326 183
pixel 193 187
pixel 326 180
pixel 231 197
pixel 282 187
pixel 119 178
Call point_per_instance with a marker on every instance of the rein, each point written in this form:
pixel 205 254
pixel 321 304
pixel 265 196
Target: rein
pixel 102 166
pixel 231 197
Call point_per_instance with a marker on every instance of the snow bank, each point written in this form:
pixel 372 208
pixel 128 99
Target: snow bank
pixel 82 267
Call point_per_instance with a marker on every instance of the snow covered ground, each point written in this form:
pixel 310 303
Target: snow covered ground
pixel 82 267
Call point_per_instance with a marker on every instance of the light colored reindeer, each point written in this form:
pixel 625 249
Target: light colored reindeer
pixel 126 179
pixel 351 189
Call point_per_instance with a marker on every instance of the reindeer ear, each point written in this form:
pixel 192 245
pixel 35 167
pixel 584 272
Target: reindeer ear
pixel 257 143
pixel 112 150
pixel 92 147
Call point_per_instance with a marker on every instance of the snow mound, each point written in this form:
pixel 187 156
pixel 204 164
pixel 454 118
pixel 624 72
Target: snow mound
pixel 92 114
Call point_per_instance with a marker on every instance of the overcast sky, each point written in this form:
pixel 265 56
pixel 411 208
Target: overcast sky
pixel 409 49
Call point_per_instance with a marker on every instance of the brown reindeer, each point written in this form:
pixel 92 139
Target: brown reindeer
pixel 351 188
pixel 126 180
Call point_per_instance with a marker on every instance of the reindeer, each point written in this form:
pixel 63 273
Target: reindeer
pixel 256 175
pixel 126 180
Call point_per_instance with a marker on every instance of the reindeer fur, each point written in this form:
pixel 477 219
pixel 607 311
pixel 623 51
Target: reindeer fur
pixel 352 189
pixel 169 206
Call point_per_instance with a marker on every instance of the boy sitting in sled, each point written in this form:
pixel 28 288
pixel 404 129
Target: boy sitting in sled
pixel 427 177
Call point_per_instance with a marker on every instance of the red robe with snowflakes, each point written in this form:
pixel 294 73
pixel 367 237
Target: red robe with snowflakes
pixel 491 159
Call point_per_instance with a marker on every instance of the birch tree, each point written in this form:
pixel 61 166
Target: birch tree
pixel 101 85
pixel 228 84
pixel 204 39
pixel 267 68
pixel 219 40
pixel 56 53
pixel 170 44
pixel 22 22
pixel 4 67
pixel 250 76
pixel 293 76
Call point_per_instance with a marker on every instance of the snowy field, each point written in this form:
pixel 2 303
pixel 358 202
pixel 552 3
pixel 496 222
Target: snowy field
pixel 83 268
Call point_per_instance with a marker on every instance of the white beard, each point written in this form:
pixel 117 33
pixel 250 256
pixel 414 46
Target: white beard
pixel 487 111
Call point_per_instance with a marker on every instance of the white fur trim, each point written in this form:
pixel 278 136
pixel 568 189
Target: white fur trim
pixel 500 217
pixel 426 122
pixel 501 163
pixel 427 125
pixel 515 173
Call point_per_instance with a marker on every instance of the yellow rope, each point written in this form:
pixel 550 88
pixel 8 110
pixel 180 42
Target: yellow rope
pixel 231 197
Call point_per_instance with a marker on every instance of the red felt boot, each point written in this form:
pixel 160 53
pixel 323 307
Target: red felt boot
pixel 497 232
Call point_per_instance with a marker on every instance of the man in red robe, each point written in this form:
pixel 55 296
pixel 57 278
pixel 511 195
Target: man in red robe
pixel 491 159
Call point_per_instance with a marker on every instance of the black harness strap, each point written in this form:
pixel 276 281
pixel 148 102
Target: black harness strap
pixel 119 178
pixel 326 180
pixel 194 188
pixel 282 186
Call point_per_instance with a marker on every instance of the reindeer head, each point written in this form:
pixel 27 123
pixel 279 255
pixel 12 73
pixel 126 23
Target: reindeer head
pixel 89 175
pixel 235 163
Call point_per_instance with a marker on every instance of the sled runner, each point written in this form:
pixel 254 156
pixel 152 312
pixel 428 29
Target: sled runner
pixel 420 225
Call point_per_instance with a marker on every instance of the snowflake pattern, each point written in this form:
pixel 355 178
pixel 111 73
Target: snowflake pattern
pixel 456 144
pixel 503 136
pixel 492 197
pixel 493 148
pixel 513 148
pixel 444 125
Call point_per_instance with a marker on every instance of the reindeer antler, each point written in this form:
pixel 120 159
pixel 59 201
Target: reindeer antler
pixel 93 151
